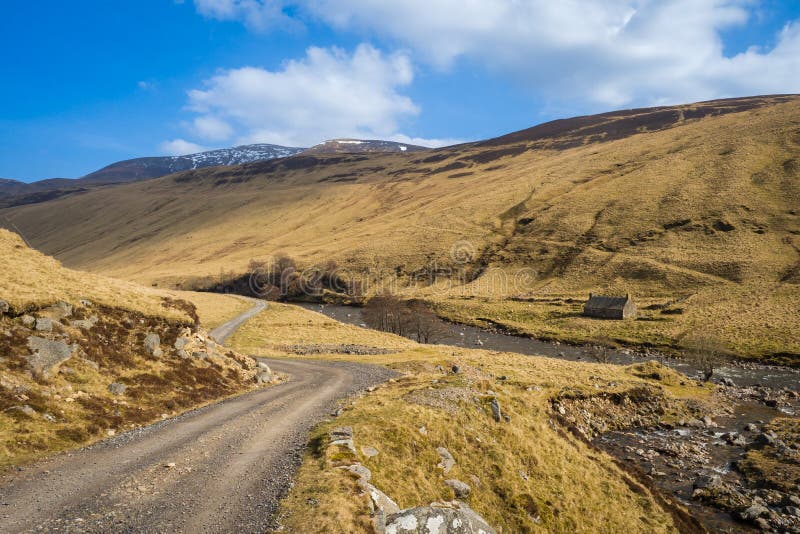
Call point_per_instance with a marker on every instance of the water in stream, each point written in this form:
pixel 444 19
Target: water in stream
pixel 477 338
pixel 673 458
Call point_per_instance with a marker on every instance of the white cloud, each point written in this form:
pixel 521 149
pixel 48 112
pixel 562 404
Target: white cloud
pixel 610 53
pixel 329 93
pixel 180 147
pixel 212 128
pixel 582 52
pixel 256 14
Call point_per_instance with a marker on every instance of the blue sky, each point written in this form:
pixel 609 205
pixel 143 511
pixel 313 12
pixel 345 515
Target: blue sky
pixel 92 82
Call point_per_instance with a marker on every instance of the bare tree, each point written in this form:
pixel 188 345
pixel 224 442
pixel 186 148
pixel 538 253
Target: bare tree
pixel 601 350
pixel 423 323
pixel 706 353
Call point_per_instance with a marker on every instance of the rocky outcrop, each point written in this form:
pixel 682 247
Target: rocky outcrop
pixel 387 518
pixel 438 518
pixel 47 356
pixel 116 388
pixel 152 344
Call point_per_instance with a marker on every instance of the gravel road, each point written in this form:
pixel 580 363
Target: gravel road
pixel 221 468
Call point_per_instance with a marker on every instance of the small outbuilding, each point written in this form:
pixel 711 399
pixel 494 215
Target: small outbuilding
pixel 605 307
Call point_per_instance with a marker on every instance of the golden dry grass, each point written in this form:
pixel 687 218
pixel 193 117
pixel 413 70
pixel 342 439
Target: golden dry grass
pixel 525 461
pixel 29 279
pixel 706 208
pixel 214 309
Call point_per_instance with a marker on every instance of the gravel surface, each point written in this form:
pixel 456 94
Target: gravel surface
pixel 221 468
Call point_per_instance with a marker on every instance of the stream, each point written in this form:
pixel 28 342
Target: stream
pixel 674 458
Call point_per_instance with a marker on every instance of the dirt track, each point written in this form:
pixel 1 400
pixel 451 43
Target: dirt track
pixel 233 461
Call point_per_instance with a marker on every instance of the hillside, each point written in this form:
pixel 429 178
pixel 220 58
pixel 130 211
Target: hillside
pixel 83 357
pixel 691 208
pixel 355 146
pixel 15 193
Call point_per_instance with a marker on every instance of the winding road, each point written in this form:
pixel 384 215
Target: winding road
pixel 221 468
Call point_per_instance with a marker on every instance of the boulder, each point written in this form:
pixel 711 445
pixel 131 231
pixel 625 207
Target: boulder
pixel 263 377
pixel 438 518
pixel 47 356
pixel 448 461
pixel 200 355
pixel 117 389
pixel 82 324
pixel 4 307
pixel 753 512
pixel 152 344
pixel 695 423
pixel 751 427
pixel 28 320
pixel 461 489
pixel 707 482
pixel 359 471
pixel 342 437
pixel 59 310
pixel 763 440
pixel 496 413
pixel 181 342
pixel 43 324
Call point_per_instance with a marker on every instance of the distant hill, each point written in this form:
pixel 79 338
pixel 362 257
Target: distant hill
pixel 144 168
pixel 14 193
pixel 698 201
pixel 354 146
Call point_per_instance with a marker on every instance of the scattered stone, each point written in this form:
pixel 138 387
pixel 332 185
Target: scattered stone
pixel 200 355
pixel 461 489
pixel 181 342
pixel 448 461
pixel 753 512
pixel 43 324
pixel 263 377
pixel 359 470
pixel 111 432
pixel 28 320
pixel 379 501
pixel 370 452
pixel 750 427
pixel 47 356
pixel 24 409
pixel 763 440
pixel 495 404
pixel 728 382
pixel 342 437
pixel 82 324
pixel 423 431
pixel 60 310
pixel 708 482
pixel 439 518
pixel 117 389
pixel 695 423
pixel 708 422
pixel 792 510
pixel 169 465
pixel 4 307
pixel 92 364
pixel 86 303
pixel 475 481
pixel 456 369
pixel 337 412
pixel 152 344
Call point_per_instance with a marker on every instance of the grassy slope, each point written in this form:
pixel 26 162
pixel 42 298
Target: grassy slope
pixel 528 460
pixel 74 407
pixel 214 309
pixel 678 205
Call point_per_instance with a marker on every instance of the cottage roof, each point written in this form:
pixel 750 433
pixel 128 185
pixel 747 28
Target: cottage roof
pixel 607 303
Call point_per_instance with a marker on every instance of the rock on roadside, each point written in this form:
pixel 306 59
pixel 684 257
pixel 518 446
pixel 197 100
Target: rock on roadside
pixel 47 356
pixel 438 518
